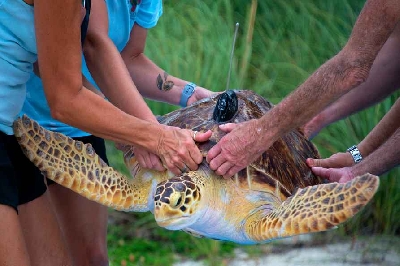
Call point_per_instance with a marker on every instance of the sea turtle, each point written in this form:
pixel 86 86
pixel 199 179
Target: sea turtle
pixel 275 196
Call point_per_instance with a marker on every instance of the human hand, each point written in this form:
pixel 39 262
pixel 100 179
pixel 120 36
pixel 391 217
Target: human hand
pixel 200 93
pixel 341 175
pixel 148 160
pixel 177 149
pixel 337 160
pixel 145 158
pixel 235 150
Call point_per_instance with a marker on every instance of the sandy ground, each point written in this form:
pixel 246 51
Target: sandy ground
pixel 369 251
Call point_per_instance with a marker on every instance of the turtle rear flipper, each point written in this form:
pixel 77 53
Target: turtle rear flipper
pixel 75 165
pixel 314 209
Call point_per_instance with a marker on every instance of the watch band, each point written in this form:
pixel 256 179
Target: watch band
pixel 355 153
pixel 188 91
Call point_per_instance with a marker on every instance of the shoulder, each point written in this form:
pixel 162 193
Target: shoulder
pixel 148 12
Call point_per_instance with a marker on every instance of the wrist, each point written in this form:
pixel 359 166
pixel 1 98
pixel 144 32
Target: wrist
pixel 364 149
pixel 267 135
pixel 355 154
pixel 187 92
pixel 151 137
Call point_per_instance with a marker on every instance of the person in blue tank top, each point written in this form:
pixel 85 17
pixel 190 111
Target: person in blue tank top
pixel 50 38
pixel 128 27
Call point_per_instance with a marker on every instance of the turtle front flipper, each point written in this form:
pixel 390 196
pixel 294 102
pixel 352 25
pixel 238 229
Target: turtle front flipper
pixel 76 166
pixel 313 209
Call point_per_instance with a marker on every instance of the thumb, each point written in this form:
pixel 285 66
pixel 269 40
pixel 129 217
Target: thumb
pixel 326 173
pixel 228 127
pixel 201 137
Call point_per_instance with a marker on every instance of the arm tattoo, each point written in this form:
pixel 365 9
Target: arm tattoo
pixel 164 84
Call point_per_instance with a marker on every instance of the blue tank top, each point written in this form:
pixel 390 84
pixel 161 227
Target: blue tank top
pixel 17 54
pixel 122 14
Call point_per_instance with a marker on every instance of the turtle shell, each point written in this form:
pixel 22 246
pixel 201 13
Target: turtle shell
pixel 282 166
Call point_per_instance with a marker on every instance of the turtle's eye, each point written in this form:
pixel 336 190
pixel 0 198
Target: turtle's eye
pixel 176 200
pixel 179 201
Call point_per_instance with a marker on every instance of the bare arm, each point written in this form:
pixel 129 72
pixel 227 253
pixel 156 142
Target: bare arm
pixel 85 82
pixel 108 69
pixel 57 25
pixel 379 135
pixel 340 74
pixel 382 131
pixel 386 157
pixel 384 78
pixel 336 77
pixel 383 159
pixel 152 81
pixel 62 80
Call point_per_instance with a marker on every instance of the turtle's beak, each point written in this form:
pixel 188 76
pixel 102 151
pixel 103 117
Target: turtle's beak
pixel 171 219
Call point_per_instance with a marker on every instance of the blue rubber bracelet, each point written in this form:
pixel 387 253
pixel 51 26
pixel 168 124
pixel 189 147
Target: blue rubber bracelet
pixel 188 91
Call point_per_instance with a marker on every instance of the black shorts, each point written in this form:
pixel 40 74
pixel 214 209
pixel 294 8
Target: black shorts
pixel 20 180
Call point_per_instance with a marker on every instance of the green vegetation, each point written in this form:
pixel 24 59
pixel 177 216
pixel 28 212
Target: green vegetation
pixel 286 43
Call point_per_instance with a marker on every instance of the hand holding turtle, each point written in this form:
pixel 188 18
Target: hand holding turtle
pixel 145 158
pixel 337 160
pixel 177 149
pixel 148 160
pixel 200 93
pixel 235 150
pixel 340 175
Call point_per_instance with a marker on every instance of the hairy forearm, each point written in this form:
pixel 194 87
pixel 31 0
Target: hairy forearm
pixel 386 157
pixel 382 131
pixel 339 75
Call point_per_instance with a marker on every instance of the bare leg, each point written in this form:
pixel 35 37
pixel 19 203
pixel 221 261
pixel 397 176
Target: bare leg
pixel 43 236
pixel 12 246
pixel 84 224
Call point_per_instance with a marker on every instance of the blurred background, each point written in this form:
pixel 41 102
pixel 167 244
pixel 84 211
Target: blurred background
pixel 279 44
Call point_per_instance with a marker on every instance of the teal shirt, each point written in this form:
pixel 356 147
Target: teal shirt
pixel 121 16
pixel 17 54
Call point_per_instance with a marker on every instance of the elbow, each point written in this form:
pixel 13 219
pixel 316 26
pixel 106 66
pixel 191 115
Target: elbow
pixel 58 110
pixel 358 61
pixel 352 68
pixel 93 44
pixel 357 75
pixel 62 106
pixel 131 56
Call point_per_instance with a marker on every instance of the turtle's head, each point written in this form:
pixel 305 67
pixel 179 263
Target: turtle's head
pixel 177 203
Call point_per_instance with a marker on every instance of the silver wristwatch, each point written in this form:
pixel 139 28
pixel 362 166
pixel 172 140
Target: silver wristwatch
pixel 355 153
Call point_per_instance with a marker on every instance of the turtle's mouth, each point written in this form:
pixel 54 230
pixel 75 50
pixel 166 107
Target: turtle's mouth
pixel 176 223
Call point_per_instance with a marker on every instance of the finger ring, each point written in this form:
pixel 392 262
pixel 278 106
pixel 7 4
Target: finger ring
pixel 194 135
pixel 185 169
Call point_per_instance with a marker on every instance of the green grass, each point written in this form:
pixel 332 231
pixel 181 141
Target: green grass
pixel 290 39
